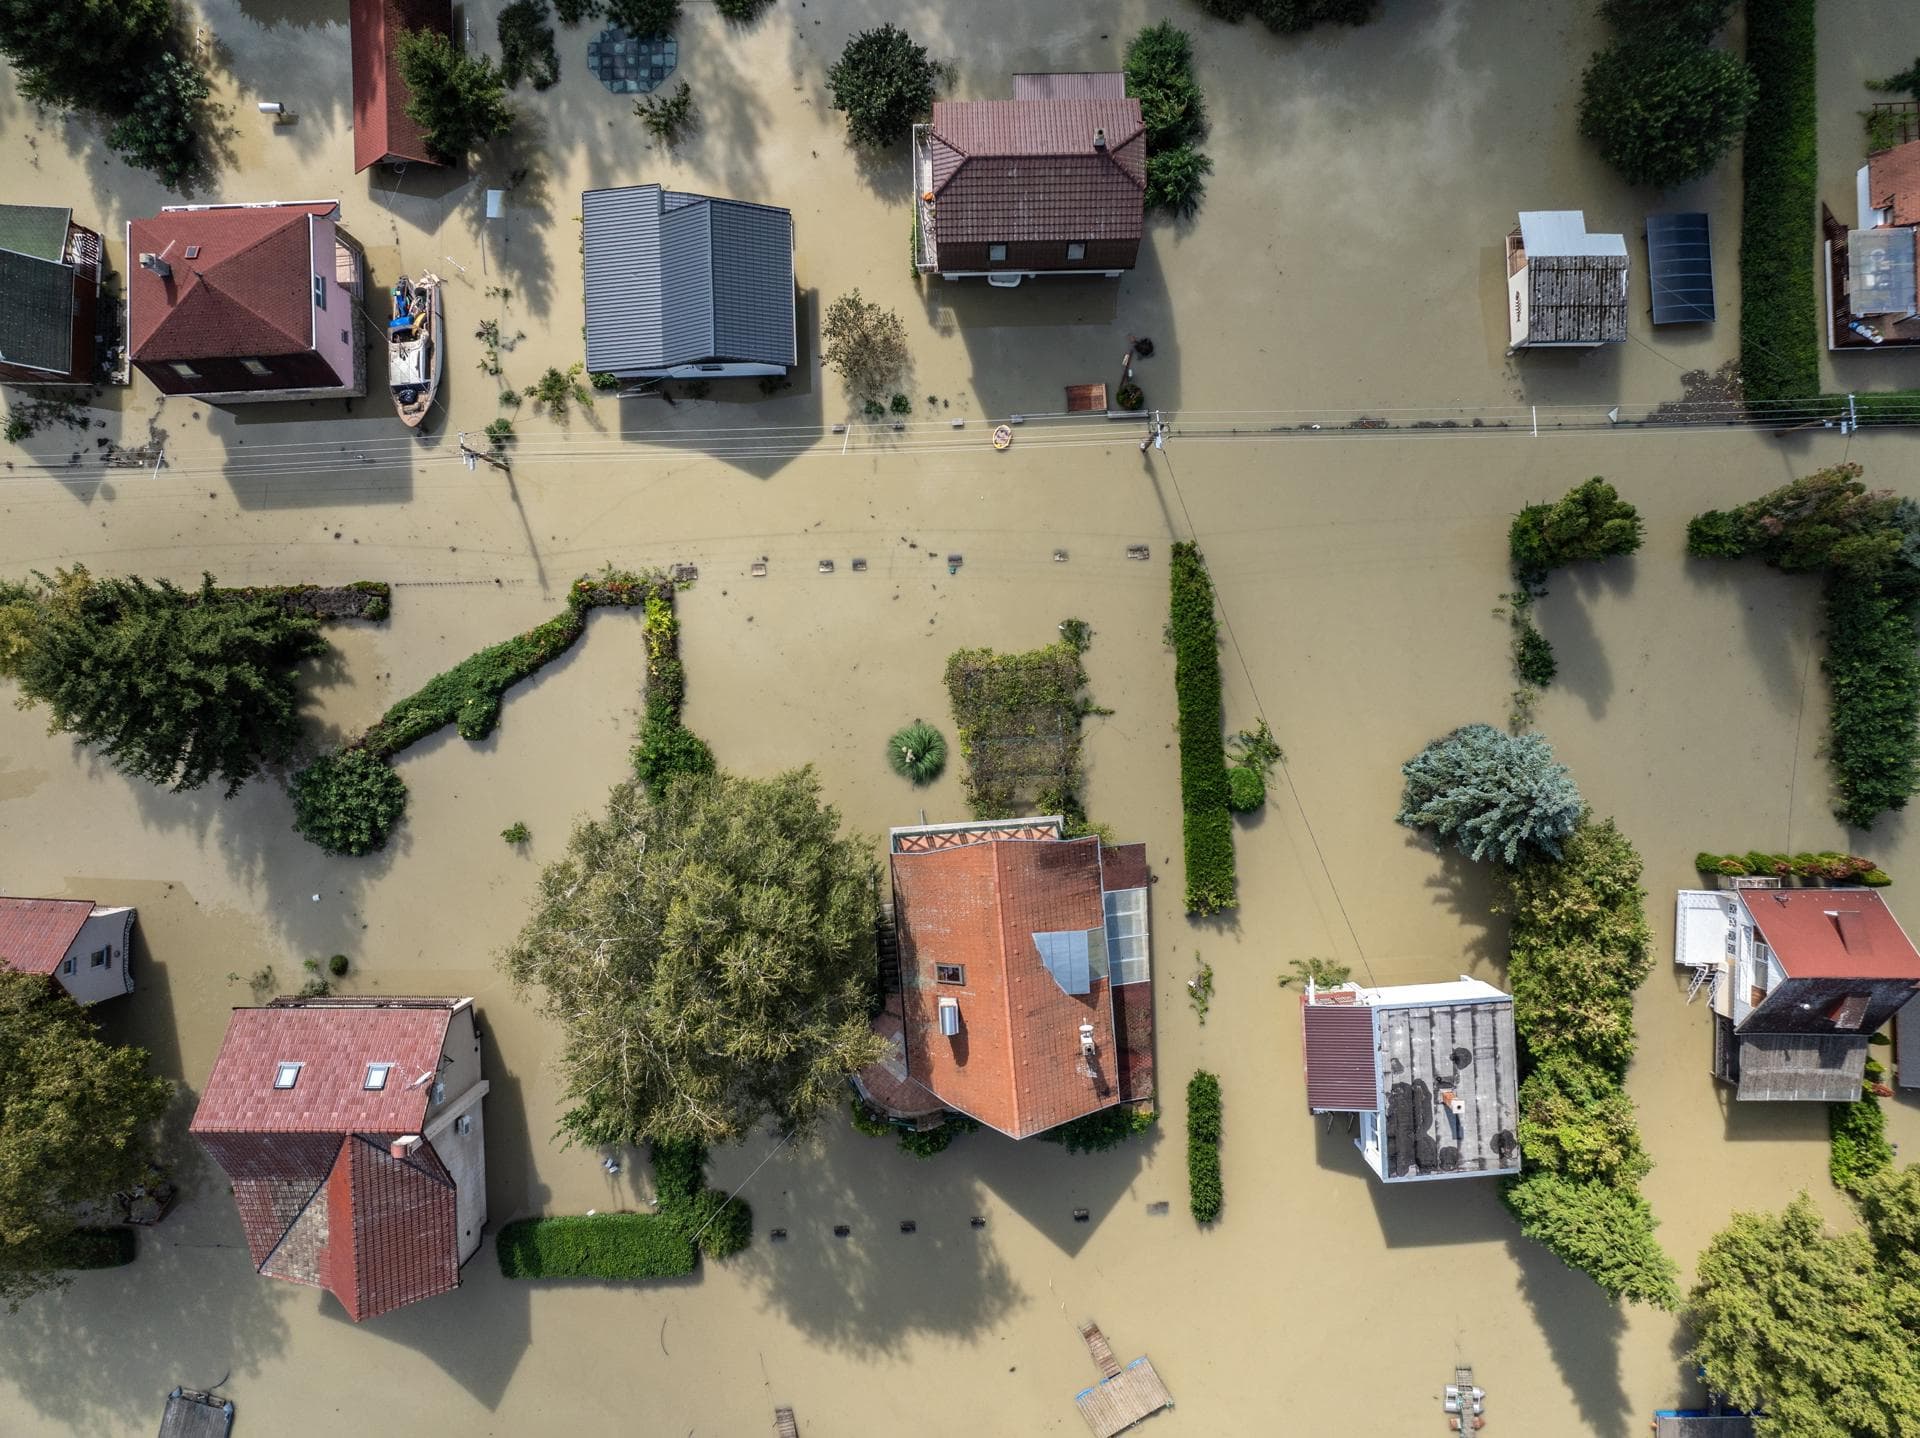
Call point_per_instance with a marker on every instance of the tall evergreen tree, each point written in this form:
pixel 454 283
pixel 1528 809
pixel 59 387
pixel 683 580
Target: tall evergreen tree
pixel 173 687
pixel 1493 794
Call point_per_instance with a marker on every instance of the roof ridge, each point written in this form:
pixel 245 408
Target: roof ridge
pixel 1006 985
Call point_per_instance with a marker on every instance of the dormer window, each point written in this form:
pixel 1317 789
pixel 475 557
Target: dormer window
pixel 377 1076
pixel 996 253
pixel 287 1075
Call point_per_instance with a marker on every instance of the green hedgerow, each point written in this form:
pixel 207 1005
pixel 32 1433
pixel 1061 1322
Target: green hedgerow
pixel 348 803
pixel 1204 786
pixel 601 1245
pixel 1533 657
pixel 1203 1146
pixel 1858 1135
pixel 1779 310
pixel 917 752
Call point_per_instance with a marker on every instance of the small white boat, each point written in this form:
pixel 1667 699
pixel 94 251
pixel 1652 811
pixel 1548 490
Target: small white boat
pixel 414 356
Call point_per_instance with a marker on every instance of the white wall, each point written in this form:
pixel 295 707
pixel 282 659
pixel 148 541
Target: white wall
pixel 341 308
pixel 108 930
pixel 465 1155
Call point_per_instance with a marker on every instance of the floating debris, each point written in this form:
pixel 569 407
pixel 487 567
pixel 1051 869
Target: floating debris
pixel 685 573
pixel 1059 556
pixel 907 1225
pixel 758 569
pixel 826 566
pixel 859 566
pixel 1138 551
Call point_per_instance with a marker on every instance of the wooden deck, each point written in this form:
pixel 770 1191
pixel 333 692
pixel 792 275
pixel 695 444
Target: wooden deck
pixel 1121 1401
pixel 1101 1350
pixel 1086 398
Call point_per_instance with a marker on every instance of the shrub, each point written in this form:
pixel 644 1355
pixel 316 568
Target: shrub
pixel 1875 879
pixel 1779 317
pixel 1664 110
pixel 1159 71
pixel 900 404
pixel 867 1120
pixel 600 379
pixel 1533 657
pixel 643 19
pixel 917 752
pixel 1322 973
pixel 1858 1135
pixel 666 118
pixel 1590 521
pixel 161 132
pixel 667 750
pixel 1605 1232
pixel 1576 1121
pixel 348 803
pixel 1492 793
pixel 516 832
pixel 926 1142
pixel 1256 748
pixel 1204 786
pixel 1203 1146
pixel 883 82
pixel 1246 790
pixel 1096 1132
pixel 1873 680
pixel 1017 722
pixel 1176 180
pixel 715 1224
pixel 601 1245
pixel 499 431
pixel 556 387
pixel 337 966
pixel 526 45
pixel 1129 396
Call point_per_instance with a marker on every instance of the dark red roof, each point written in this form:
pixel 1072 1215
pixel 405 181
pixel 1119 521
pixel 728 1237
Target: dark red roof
pixel 1007 171
pixel 382 129
pixel 35 934
pixel 1833 933
pixel 1123 866
pixel 1338 1040
pixel 392 1224
pixel 247 291
pixel 1893 182
pixel 334 1045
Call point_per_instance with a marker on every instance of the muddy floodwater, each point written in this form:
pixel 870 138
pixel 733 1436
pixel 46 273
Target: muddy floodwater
pixel 1345 263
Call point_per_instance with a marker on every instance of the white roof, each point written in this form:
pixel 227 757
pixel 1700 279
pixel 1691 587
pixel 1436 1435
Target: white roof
pixel 1703 926
pixel 1463 990
pixel 1564 232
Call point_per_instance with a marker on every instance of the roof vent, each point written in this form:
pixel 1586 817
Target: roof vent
pixel 950 1018
pixel 1086 1039
pixel 1099 139
pixel 405 1146
pixel 155 265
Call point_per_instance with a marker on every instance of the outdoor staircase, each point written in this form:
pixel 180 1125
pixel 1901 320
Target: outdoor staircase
pixel 1705 976
pixel 889 945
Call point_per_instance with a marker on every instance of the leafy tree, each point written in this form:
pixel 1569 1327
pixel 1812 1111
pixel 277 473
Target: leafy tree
pixel 1591 521
pixel 88 54
pixel 666 117
pixel 161 132
pixel 348 803
pixel 1492 793
pixel 1694 20
pixel 526 45
pixel 1176 179
pixel 644 18
pixel 1825 520
pixel 1801 1323
pixel 709 955
pixel 76 1119
pixel 884 82
pixel 458 100
pixel 1159 70
pixel 866 343
pixel 174 687
pixel 1857 1133
pixel 1576 1121
pixel 1889 1206
pixel 1665 111
pixel 1604 1231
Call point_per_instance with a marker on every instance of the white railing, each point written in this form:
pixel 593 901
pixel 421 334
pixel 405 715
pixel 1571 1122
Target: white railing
pixel 926 251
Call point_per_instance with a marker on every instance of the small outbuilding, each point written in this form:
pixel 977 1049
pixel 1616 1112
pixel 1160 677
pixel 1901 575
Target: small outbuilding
pixel 383 132
pixel 49 296
pixel 1872 270
pixel 84 948
pixel 1566 289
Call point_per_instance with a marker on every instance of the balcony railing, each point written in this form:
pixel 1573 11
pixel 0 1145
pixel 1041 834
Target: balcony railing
pixel 926 250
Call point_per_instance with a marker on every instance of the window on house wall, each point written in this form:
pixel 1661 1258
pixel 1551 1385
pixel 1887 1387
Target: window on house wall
pixel 319 293
pixel 463 1125
pixel 377 1075
pixel 996 252
pixel 950 973
pixel 100 958
pixel 286 1075
pixel 254 366
pixel 439 1093
pixel 69 966
pixel 1076 252
pixel 184 371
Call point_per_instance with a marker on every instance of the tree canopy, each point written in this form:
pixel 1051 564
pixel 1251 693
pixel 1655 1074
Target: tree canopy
pixel 89 54
pixel 174 687
pixel 1590 521
pixel 76 1117
pixel 459 100
pixel 866 342
pixel 884 82
pixel 1664 110
pixel 1493 794
pixel 710 955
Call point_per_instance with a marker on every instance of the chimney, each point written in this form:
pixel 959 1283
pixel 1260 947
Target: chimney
pixel 1099 139
pixel 1086 1039
pixel 404 1146
pixel 950 1018
pixel 153 263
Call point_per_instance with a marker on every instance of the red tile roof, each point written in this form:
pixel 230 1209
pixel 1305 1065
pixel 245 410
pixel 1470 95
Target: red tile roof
pixel 1339 1049
pixel 1893 182
pixel 381 126
pixel 393 1235
pixel 1017 1062
pixel 249 290
pixel 334 1045
pixel 1008 171
pixel 35 934
pixel 1833 933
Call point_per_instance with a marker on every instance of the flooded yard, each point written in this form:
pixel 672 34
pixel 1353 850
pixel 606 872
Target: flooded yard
pixel 1347 259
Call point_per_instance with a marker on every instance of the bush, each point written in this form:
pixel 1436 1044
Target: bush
pixel 1590 521
pixel 516 832
pixel 1858 1135
pixel 1159 70
pixel 1102 1130
pixel 526 45
pixel 601 1245
pixel 643 19
pixel 348 803
pixel 1129 396
pixel 468 695
pixel 917 752
pixel 867 1120
pixel 1176 180
pixel 1203 1146
pixel 1603 1231
pixel 666 750
pixel 867 344
pixel 666 118
pixel 1873 681
pixel 900 404
pixel 926 1142
pixel 554 389
pixel 1492 793
pixel 1875 879
pixel 1779 315
pixel 499 431
pixel 1533 657
pixel 161 132
pixel 1576 1121
pixel 1246 790
pixel 337 966
pixel 715 1224
pixel 1664 110
pixel 1204 786
pixel 883 82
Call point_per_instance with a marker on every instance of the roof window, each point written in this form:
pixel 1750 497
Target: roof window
pixel 287 1075
pixel 377 1075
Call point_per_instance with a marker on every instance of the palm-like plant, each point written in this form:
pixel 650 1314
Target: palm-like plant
pixel 918 752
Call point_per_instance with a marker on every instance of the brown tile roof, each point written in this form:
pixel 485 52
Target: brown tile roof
pixel 35 934
pixel 381 127
pixel 1017 1062
pixel 1123 866
pixel 1833 933
pixel 393 1222
pixel 1340 1057
pixel 1111 85
pixel 1133 1032
pixel 1009 171
pixel 249 290
pixel 1893 182
pixel 334 1045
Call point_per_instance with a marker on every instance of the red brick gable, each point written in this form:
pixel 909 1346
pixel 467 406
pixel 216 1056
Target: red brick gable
pixel 392 1229
pixel 247 292
pixel 35 934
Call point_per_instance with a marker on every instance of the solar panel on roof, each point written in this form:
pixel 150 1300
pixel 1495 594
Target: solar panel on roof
pixel 1680 268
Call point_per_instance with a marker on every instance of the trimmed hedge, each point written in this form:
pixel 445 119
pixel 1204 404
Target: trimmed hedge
pixel 1873 677
pixel 1779 313
pixel 1203 1146
pixel 1834 868
pixel 347 803
pixel 600 1245
pixel 1204 786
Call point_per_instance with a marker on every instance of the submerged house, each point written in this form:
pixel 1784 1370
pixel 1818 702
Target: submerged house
pixel 352 1133
pixel 1872 272
pixel 683 286
pixel 1024 996
pixel 1430 1072
pixel 1799 979
pixel 85 948
pixel 383 132
pixel 1566 289
pixel 238 304
pixel 1051 182
pixel 50 271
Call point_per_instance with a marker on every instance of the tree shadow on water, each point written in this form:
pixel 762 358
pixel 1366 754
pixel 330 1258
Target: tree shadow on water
pixel 1583 1331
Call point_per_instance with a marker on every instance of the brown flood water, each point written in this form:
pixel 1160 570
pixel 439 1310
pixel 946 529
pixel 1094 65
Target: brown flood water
pixel 1346 258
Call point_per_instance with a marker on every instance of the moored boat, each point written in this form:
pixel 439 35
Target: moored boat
pixel 414 355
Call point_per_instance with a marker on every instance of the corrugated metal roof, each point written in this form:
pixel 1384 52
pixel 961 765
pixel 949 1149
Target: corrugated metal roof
pixel 1339 1051
pixel 36 312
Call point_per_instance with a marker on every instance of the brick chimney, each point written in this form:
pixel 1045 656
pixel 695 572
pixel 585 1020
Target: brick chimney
pixel 404 1146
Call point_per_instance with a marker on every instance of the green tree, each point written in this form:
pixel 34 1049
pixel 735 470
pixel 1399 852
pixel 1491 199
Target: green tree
pixel 1664 111
pixel 76 1120
pixel 161 132
pixel 458 100
pixel 644 18
pixel 1176 180
pixel 1889 1205
pixel 1159 70
pixel 865 342
pixel 1576 1121
pixel 1603 1231
pixel 1491 793
pixel 1590 521
pixel 173 687
pixel 88 54
pixel 884 82
pixel 1800 1322
pixel 709 956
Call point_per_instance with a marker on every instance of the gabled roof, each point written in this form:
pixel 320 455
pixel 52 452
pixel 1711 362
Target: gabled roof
pixel 35 934
pixel 676 279
pixel 1009 171
pixel 1893 182
pixel 1833 933
pixel 247 291
pixel 1339 1055
pixel 1802 1066
pixel 381 126
pixel 36 288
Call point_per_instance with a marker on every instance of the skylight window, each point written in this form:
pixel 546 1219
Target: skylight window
pixel 286 1075
pixel 377 1075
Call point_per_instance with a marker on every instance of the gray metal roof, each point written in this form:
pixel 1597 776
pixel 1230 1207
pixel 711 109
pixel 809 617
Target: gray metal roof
pixel 678 279
pixel 36 312
pixel 36 230
pixel 1427 1051
pixel 1827 1067
pixel 1564 232
pixel 1702 1425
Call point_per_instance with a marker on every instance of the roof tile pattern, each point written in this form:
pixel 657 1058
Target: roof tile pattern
pixel 35 934
pixel 1010 171
pixel 381 126
pixel 1339 1057
pixel 394 1237
pixel 334 1047
pixel 1833 933
pixel 248 292
pixel 1893 182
